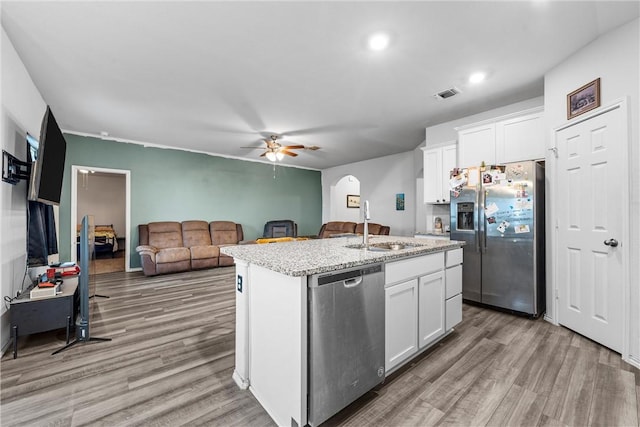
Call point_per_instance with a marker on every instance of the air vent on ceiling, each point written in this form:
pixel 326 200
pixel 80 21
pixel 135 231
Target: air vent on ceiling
pixel 448 93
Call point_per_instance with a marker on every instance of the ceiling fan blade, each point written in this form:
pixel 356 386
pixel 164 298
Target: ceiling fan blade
pixel 263 154
pixel 288 153
pixel 312 147
pixel 254 148
pixel 293 147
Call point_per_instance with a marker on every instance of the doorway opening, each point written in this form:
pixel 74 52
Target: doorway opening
pixel 348 185
pixel 105 194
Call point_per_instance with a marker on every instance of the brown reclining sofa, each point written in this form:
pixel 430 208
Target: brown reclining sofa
pixel 170 246
pixel 346 227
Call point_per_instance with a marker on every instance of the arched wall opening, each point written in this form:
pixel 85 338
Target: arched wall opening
pixel 348 185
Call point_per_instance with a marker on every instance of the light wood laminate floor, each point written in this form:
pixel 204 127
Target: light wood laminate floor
pixel 172 354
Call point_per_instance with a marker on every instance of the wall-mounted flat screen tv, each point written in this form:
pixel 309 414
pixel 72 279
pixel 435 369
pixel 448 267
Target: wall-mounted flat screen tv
pixel 47 170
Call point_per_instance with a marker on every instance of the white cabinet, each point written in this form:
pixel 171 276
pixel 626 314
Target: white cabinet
pixel 477 145
pixel 520 138
pixel 414 306
pixel 418 309
pixel 438 162
pixel 430 308
pixel 401 322
pixel 511 138
pixel 453 288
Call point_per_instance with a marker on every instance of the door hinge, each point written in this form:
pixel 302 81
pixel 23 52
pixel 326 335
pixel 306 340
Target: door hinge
pixel 557 294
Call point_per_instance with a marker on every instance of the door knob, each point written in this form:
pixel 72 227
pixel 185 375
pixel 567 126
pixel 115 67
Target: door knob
pixel 611 242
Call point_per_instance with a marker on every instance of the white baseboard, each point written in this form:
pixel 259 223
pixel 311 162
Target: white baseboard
pixel 632 361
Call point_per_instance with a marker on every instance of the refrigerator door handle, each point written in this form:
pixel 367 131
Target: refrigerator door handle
pixel 482 221
pixel 477 226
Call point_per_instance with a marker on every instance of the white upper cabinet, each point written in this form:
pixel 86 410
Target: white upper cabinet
pixel 511 138
pixel 520 138
pixel 477 145
pixel 438 162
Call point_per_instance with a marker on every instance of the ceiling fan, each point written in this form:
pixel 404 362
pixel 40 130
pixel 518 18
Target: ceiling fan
pixel 275 151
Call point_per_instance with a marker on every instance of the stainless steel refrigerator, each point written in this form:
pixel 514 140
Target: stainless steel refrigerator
pixel 499 212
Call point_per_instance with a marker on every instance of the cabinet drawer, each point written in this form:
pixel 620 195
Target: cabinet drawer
pixel 454 257
pixel 453 311
pixel 453 281
pixel 413 267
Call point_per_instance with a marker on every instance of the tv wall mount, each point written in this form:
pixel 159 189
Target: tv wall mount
pixel 14 169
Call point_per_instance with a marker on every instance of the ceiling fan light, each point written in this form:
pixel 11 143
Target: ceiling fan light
pixel 280 155
pixel 271 156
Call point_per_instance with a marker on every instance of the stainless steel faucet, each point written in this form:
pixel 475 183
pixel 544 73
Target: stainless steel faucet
pixel 367 217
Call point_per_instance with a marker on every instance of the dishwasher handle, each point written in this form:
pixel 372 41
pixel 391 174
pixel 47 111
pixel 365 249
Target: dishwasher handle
pixel 349 278
pixel 352 283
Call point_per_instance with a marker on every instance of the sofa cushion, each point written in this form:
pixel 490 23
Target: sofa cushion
pixel 166 234
pixel 224 233
pixel 373 228
pixel 173 255
pixel 173 267
pixel 197 264
pixel 337 227
pixel 196 233
pixel 204 252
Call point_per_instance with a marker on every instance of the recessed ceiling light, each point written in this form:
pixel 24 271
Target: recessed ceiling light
pixel 378 41
pixel 477 77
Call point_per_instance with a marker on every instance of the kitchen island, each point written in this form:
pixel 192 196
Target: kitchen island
pixel 422 302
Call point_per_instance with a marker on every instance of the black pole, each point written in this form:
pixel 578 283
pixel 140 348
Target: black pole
pixel 82 326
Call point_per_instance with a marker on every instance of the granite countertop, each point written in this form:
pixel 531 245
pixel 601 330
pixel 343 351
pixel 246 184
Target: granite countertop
pixel 303 258
pixel 433 233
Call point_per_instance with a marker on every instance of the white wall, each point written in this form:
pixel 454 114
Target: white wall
pixel 348 185
pixel 380 180
pixel 22 111
pixel 614 58
pixel 104 197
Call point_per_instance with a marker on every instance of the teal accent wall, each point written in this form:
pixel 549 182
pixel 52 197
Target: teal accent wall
pixel 173 185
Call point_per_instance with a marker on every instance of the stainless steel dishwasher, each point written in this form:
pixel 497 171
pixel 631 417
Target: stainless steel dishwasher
pixel 346 338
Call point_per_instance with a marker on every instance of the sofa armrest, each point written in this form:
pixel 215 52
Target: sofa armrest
pixel 148 250
pixel 239 232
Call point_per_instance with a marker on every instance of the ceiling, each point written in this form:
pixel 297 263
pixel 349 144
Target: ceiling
pixel 216 76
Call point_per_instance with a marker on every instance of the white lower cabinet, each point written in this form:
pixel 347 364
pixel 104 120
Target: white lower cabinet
pixel 453 288
pixel 430 308
pixel 401 322
pixel 453 310
pixel 418 310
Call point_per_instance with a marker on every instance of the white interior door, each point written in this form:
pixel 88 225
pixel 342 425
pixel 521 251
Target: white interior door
pixel 592 187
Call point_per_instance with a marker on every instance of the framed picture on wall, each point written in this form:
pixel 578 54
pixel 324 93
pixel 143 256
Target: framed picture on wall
pixel 583 99
pixel 353 201
pixel 400 201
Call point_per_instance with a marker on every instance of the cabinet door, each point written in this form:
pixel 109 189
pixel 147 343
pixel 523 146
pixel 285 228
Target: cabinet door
pixel 520 138
pixel 449 161
pixel 454 311
pixel 431 308
pixel 477 145
pixel 401 320
pixel 432 175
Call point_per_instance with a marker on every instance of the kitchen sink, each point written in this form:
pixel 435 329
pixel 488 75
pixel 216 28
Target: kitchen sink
pixel 385 247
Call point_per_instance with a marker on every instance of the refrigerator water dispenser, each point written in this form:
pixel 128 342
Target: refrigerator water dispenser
pixel 465 216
